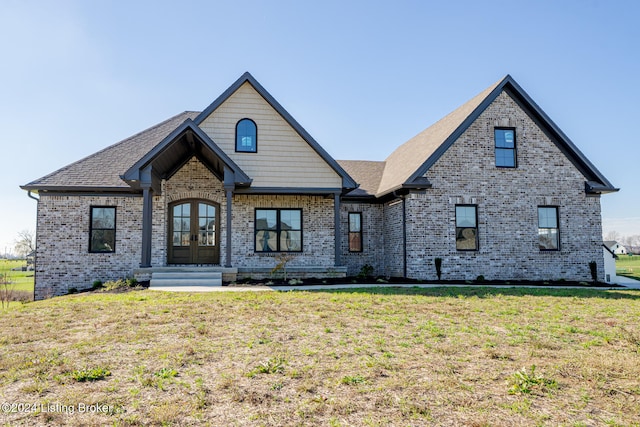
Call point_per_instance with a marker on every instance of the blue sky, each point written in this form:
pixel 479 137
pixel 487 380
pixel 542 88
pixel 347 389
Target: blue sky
pixel 361 76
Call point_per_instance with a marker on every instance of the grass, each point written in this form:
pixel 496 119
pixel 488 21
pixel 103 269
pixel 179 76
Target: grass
pixel 628 266
pixel 372 357
pixel 20 280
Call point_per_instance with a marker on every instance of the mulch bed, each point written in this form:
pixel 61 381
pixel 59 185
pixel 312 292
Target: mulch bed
pixel 382 281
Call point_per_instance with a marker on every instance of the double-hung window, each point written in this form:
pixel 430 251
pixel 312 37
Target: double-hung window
pixel 355 231
pixel 466 228
pixel 278 230
pixel 548 230
pixel 505 144
pixel 102 229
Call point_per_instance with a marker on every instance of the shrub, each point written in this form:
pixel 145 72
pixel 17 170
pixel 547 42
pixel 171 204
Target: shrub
pixel 438 263
pixel 97 284
pixel 365 271
pixel 480 278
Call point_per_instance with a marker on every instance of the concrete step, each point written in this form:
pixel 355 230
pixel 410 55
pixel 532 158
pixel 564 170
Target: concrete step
pixel 191 275
pixel 187 278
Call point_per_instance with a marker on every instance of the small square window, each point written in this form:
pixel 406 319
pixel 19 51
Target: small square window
pixel 278 230
pixel 505 147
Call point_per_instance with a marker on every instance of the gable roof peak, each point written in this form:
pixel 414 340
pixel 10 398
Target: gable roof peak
pixel 347 181
pixel 409 162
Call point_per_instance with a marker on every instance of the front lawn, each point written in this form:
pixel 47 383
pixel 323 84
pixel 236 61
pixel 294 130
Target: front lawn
pixel 370 357
pixel 20 280
pixel 628 266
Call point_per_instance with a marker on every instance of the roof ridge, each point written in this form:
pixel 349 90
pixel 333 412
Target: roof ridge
pixel 129 138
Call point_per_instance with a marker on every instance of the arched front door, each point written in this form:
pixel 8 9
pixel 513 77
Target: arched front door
pixel 194 232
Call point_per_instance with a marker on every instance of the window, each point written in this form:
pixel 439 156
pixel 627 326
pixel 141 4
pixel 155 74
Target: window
pixel 246 136
pixel 355 231
pixel 548 232
pixel 505 147
pixel 102 229
pixel 466 228
pixel 278 230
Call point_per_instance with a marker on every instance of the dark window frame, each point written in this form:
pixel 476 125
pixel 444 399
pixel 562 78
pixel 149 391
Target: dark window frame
pixel 278 230
pixel 255 145
pixel 514 149
pixel 459 229
pixel 557 228
pixel 359 232
pixel 92 229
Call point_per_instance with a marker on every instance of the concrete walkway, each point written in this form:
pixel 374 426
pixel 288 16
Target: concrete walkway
pixel 629 283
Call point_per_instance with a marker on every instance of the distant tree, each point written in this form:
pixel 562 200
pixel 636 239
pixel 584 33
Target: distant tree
pixel 25 243
pixel 613 235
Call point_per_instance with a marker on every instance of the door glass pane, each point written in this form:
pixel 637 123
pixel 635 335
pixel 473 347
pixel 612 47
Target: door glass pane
pixel 185 238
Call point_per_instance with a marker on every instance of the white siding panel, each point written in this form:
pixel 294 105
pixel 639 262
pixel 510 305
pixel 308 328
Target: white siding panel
pixel 283 159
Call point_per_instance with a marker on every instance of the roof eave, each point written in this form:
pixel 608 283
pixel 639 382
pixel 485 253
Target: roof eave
pixel 75 189
pixel 593 187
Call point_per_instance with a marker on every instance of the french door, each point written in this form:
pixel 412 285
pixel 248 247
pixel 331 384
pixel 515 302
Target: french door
pixel 194 232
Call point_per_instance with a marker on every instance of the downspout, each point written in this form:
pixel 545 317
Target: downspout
pixel 35 257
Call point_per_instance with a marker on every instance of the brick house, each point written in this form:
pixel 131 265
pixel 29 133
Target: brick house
pixel 494 189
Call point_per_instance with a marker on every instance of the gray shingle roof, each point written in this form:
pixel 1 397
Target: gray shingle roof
pixel 102 170
pixel 410 156
pixel 366 173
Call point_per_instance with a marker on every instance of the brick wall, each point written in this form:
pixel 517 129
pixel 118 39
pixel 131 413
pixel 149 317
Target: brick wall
pixel 507 201
pixel 63 259
pixel 372 238
pixel 393 238
pixel 317 230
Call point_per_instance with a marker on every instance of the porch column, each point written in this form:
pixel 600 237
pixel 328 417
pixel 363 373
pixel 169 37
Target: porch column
pixel 229 192
pixel 338 234
pixel 146 226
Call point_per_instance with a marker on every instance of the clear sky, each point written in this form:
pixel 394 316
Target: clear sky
pixel 362 77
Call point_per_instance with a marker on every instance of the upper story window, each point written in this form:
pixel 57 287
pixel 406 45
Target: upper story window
pixel 278 230
pixel 466 228
pixel 102 229
pixel 355 231
pixel 505 141
pixel 246 136
pixel 548 231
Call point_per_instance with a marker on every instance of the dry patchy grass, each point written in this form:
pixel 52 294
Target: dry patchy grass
pixel 376 357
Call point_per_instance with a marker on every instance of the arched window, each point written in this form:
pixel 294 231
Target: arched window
pixel 246 136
